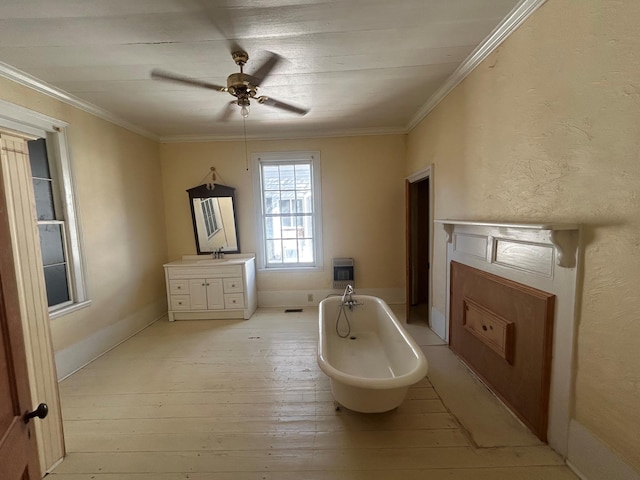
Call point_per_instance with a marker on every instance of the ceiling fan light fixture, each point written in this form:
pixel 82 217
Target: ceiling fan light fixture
pixel 242 86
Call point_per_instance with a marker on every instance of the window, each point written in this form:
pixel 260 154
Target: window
pixel 56 219
pixel 287 193
pixel 51 226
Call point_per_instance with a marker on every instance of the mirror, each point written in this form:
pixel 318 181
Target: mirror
pixel 213 213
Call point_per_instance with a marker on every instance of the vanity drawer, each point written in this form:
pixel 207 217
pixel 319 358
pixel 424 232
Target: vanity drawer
pixel 233 301
pixel 179 287
pixel 220 271
pixel 180 302
pixel 232 285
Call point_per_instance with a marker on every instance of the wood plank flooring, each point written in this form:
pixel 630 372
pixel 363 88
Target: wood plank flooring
pixel 245 400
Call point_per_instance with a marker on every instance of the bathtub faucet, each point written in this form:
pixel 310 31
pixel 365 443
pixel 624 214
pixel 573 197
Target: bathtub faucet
pixel 347 298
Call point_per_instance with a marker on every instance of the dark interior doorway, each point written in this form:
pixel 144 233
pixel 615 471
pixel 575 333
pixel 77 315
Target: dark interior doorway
pixel 418 226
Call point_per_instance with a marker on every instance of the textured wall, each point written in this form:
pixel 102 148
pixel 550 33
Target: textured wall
pixel 121 213
pixel 548 128
pixel 362 201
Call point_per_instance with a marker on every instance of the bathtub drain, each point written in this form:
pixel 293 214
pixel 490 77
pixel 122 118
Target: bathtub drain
pixel 352 337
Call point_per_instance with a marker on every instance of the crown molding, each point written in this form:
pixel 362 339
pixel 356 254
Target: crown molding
pixel 354 132
pixel 511 22
pixel 38 85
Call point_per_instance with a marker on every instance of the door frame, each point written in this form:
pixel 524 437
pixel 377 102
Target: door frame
pixel 420 175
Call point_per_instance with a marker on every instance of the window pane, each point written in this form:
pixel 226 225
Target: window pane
pixel 305 247
pixel 287 177
pixel 305 226
pixel 285 206
pixel 38 158
pixel 303 177
pixel 270 177
pixel 272 228
pixel 44 199
pixel 289 227
pixel 271 202
pixel 55 278
pixel 290 251
pixel 51 244
pixel 304 201
pixel 274 251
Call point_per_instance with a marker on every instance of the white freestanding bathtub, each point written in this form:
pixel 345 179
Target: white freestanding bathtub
pixel 372 368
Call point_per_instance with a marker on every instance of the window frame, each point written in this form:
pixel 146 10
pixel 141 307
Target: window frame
pixel 287 158
pixel 28 122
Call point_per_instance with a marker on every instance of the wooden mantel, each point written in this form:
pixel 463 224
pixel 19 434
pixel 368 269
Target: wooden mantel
pixel 563 236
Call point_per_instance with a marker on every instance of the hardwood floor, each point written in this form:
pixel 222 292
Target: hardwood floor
pixel 222 400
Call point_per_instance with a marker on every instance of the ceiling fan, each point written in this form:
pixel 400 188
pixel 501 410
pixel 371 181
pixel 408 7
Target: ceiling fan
pixel 241 85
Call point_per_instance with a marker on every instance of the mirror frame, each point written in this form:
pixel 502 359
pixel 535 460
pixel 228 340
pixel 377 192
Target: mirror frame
pixel 203 191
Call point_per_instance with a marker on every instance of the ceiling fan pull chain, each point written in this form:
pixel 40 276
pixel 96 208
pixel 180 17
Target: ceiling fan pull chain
pixel 246 151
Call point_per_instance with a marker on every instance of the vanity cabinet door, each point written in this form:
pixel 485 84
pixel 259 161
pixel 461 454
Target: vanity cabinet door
pixel 206 294
pixel 198 294
pixel 215 294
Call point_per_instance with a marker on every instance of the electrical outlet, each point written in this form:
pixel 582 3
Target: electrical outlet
pixel 310 297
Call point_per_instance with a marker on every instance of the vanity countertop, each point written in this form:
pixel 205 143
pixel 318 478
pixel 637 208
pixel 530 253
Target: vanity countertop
pixel 207 261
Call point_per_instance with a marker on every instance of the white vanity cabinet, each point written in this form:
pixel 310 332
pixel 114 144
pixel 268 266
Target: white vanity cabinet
pixel 199 289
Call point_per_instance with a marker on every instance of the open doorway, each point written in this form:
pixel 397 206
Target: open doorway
pixel 418 248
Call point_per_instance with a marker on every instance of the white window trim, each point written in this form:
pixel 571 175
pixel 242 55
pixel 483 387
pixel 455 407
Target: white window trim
pixel 23 120
pixel 279 157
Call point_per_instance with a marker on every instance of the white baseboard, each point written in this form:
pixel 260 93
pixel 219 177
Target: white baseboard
pixel 71 359
pixel 300 298
pixel 591 459
pixel 439 324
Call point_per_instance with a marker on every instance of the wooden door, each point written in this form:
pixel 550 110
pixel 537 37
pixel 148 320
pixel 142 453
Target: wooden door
pixel 18 450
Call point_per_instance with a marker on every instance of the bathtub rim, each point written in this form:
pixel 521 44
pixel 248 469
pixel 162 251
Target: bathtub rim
pixel 400 381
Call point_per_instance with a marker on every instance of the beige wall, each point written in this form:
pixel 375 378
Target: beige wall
pixel 362 201
pixel 121 211
pixel 548 128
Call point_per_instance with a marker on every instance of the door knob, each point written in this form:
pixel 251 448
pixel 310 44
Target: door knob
pixel 39 412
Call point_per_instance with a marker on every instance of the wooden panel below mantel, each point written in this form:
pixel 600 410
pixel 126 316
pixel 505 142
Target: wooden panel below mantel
pixel 503 331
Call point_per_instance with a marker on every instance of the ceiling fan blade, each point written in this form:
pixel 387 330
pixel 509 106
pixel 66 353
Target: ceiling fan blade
pixel 228 111
pixel 284 106
pixel 219 17
pixel 265 69
pixel 173 77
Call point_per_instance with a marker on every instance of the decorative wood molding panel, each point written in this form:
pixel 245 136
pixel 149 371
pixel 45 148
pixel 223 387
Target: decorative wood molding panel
pixel 532 236
pixel 503 331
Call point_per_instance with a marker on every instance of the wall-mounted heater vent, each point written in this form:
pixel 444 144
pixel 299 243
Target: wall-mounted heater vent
pixel 342 273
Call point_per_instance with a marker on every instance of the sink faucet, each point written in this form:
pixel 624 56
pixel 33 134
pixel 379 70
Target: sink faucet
pixel 218 253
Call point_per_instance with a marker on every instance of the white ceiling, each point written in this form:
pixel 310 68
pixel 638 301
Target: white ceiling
pixel 359 65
